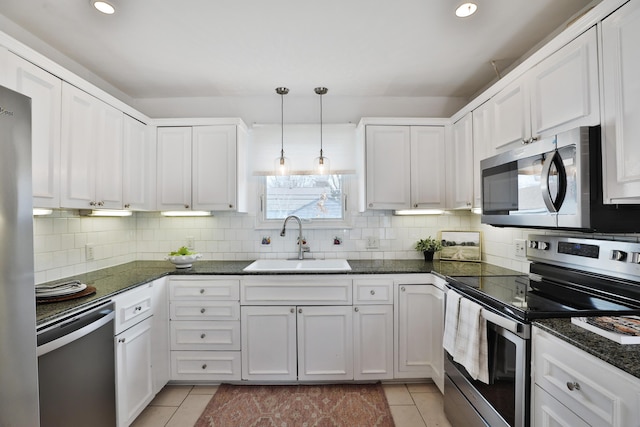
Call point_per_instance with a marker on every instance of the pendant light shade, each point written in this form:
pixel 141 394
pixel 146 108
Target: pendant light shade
pixel 321 163
pixel 282 165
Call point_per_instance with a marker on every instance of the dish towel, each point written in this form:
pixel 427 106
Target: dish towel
pixel 471 341
pixel 451 321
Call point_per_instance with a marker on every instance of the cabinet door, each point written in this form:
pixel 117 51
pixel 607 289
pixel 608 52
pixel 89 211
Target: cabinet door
pixel 77 174
pixel 373 342
pixel 427 167
pixel 108 137
pixel 621 92
pixel 418 331
pixel 548 412
pixel 134 385
pixel 564 88
pixel 174 168
pixel 511 115
pixel 214 168
pixel 139 166
pixel 460 164
pixel 482 144
pixel 45 91
pixel 268 343
pixel 325 343
pixel 388 167
pixel 160 334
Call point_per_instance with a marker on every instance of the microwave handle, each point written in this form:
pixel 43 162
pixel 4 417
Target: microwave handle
pixel 553 159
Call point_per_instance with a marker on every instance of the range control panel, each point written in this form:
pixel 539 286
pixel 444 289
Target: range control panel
pixel 609 256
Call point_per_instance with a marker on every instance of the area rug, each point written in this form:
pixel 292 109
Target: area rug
pixel 334 405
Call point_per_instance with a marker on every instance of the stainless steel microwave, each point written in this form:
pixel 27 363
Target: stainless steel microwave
pixel 555 182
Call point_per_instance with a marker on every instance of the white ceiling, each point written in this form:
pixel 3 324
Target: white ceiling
pixel 206 48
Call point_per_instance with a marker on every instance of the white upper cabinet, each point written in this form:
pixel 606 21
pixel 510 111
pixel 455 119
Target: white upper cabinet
pixel 621 88
pixel 482 140
pixel 199 168
pixel 388 167
pixel 427 167
pixel 404 167
pixel 91 152
pixel 559 93
pixel 139 166
pixel 45 91
pixel 460 164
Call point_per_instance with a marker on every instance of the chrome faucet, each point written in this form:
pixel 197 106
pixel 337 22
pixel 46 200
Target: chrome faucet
pixel 301 248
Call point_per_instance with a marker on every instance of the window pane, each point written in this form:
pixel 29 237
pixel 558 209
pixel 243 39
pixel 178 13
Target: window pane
pixel 306 196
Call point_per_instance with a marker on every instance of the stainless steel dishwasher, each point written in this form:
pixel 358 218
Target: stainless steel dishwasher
pixel 76 370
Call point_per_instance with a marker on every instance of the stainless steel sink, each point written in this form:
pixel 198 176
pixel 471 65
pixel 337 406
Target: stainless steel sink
pixel 298 265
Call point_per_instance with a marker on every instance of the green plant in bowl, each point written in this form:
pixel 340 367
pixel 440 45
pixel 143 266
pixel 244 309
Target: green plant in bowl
pixel 428 247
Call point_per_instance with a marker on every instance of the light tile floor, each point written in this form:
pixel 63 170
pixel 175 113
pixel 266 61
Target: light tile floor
pixel 412 405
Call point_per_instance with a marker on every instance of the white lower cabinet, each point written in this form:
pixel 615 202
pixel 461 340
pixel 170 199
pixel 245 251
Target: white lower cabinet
pixel 297 342
pixel 133 346
pixel 418 331
pixel 204 328
pixel 373 342
pixel 574 388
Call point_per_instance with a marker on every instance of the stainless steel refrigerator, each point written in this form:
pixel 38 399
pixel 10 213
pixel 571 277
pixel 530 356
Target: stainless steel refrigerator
pixel 18 360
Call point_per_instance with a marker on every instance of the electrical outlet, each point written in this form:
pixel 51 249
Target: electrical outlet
pixel 190 242
pixel 373 242
pixel 521 248
pixel 89 252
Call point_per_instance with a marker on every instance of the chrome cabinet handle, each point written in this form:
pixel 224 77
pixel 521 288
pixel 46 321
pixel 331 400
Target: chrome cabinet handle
pixel 202 310
pixel 356 309
pixel 202 291
pixel 92 203
pixel 138 308
pixel 299 310
pixel 204 366
pixel 101 203
pixel 292 310
pixel 121 339
pixel 573 386
pixel 372 292
pixel 127 206
pixel 203 335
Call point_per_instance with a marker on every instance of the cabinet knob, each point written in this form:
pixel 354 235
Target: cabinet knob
pixel 403 289
pixel 230 206
pixel 372 292
pixel 203 336
pixel 204 366
pixel 356 309
pixel 138 308
pixel 370 205
pixel 202 291
pixel 299 310
pixel 127 206
pixel 573 386
pixel 92 203
pixel 121 339
pixel 202 310
pixel 100 203
pixel 186 206
pixel 415 205
pixel 525 141
pixel 293 310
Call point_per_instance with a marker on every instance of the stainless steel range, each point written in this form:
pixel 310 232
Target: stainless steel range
pixel 568 277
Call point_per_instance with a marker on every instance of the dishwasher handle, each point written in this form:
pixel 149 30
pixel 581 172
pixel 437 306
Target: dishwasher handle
pixel 74 329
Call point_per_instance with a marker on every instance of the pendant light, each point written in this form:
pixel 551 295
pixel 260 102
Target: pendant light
pixel 466 9
pixel 321 164
pixel 282 164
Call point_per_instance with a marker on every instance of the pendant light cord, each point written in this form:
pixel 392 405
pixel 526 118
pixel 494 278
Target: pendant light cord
pixel 281 126
pixel 321 125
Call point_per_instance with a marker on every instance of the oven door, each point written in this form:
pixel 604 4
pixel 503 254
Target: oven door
pixel 528 187
pixel 505 400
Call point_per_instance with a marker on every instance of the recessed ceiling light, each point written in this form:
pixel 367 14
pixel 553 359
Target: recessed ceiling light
pixel 104 6
pixel 466 9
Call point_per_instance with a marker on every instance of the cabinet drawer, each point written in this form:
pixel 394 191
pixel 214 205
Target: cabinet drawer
pixel 588 386
pixel 291 290
pixel 205 365
pixel 373 291
pixel 195 289
pixel 548 411
pixel 204 310
pixel 132 307
pixel 207 335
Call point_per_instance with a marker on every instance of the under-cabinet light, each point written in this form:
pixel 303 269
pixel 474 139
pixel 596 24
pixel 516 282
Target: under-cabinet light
pixel 186 213
pixel 477 211
pixel 419 212
pixel 104 212
pixel 41 212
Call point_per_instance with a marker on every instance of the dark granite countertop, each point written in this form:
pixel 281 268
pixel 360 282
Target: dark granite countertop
pixel 113 280
pixel 623 356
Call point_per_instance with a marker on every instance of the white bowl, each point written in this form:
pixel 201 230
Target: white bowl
pixel 183 261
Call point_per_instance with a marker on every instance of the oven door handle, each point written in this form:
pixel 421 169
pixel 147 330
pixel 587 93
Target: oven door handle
pixel 501 321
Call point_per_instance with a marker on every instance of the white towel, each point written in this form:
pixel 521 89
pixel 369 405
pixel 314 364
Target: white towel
pixel 471 341
pixel 451 321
